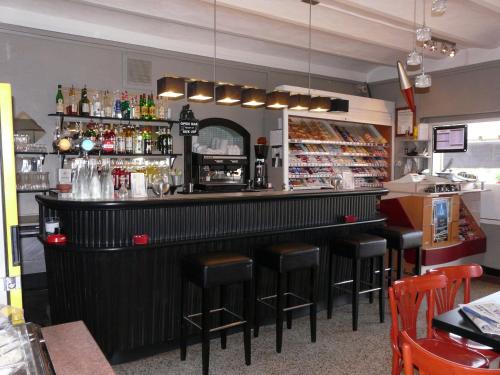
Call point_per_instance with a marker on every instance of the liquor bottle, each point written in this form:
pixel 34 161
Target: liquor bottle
pixel 108 143
pixel 151 107
pixel 108 104
pixel 138 145
pixel 160 108
pixel 133 108
pixel 72 107
pixel 84 105
pixel 125 106
pixel 120 141
pixel 129 141
pixel 90 132
pixel 165 142
pixel 148 143
pixel 144 107
pixel 96 105
pixel 118 105
pixel 59 101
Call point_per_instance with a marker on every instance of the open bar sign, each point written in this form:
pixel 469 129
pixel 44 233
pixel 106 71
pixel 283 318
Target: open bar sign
pixel 188 128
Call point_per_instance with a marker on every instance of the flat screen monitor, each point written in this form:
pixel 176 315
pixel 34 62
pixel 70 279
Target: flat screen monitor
pixel 450 138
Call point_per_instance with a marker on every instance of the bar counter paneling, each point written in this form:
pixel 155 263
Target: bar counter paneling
pixel 128 296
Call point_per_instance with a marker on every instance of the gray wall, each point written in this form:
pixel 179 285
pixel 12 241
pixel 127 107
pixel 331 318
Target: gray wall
pixel 35 64
pixel 469 90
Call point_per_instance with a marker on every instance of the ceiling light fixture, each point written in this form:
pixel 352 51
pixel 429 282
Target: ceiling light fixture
pixel 200 91
pixel 253 98
pixel 277 100
pixel 171 87
pixel 299 102
pixel 453 52
pixel 316 104
pixel 423 33
pixel 438 7
pixel 423 80
pixel 320 104
pixel 339 105
pixel 414 58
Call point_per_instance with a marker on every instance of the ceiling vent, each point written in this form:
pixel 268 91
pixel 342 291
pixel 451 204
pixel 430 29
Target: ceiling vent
pixel 137 72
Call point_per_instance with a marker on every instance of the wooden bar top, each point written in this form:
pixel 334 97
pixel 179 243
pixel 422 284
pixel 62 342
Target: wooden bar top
pixel 72 350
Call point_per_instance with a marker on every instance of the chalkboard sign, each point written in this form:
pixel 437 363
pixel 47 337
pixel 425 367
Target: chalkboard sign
pixel 188 128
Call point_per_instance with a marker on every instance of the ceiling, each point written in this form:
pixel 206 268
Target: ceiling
pixel 352 39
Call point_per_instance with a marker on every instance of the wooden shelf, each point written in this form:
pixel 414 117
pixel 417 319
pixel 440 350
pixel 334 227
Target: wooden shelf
pixel 121 120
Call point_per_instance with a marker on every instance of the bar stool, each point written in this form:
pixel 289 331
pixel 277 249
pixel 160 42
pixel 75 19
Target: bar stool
pixel 208 271
pixel 283 259
pixel 358 247
pixel 401 239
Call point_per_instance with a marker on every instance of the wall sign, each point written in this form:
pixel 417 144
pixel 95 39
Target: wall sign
pixel 405 121
pixel 188 124
pixel 188 128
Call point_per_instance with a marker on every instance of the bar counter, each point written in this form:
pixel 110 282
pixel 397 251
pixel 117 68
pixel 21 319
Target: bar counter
pixel 128 296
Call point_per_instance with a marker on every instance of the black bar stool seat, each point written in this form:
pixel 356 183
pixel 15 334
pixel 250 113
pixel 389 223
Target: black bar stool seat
pixel 283 259
pixel 288 257
pixel 208 271
pixel 401 239
pixel 358 247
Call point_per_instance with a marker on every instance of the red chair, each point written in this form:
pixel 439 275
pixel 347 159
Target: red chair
pixel 428 363
pixel 405 298
pixel 445 301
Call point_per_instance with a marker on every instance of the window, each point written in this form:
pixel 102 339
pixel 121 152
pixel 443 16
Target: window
pixel 482 158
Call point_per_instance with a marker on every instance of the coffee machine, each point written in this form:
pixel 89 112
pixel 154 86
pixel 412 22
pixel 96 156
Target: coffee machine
pixel 260 175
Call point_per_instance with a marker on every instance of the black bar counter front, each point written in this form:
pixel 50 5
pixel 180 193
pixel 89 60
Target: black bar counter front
pixel 128 296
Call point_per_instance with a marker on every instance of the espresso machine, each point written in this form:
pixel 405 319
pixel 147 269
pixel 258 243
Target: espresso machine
pixel 219 173
pixel 260 174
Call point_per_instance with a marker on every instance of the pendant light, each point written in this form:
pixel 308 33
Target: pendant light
pixel 277 99
pixel 423 80
pixel 318 103
pixel 253 98
pixel 423 33
pixel 414 58
pixel 299 102
pixel 204 91
pixel 200 91
pixel 225 94
pixel 339 105
pixel 171 87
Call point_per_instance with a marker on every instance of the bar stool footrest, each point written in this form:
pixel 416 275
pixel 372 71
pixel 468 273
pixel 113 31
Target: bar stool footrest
pixel 345 290
pixel 305 302
pixel 221 310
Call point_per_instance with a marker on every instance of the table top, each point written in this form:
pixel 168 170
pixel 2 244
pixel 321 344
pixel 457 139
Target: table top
pixel 72 350
pixel 455 321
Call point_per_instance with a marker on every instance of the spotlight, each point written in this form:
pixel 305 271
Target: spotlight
pixel 453 52
pixel 444 48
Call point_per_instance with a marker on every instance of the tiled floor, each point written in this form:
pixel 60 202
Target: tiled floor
pixel 338 350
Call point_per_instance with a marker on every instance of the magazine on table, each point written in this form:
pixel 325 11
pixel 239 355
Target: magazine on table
pixel 485 315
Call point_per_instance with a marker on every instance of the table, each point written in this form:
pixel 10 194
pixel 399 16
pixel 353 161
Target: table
pixel 72 350
pixel 455 321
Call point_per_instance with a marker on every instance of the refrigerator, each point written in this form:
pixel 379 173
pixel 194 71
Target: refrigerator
pixel 10 259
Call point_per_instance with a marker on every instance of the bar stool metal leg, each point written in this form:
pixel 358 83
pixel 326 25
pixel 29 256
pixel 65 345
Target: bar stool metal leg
pixel 183 332
pixel 256 306
pixel 356 269
pixel 205 329
pixel 279 311
pixel 330 287
pixel 288 301
pixel 400 264
pixel 222 301
pixel 381 293
pixel 312 298
pixel 372 278
pixel 390 266
pixel 418 261
pixel 247 315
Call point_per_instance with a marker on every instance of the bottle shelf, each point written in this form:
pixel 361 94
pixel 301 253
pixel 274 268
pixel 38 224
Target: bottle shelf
pixel 30 153
pixel 121 120
pixel 120 156
pixel 26 191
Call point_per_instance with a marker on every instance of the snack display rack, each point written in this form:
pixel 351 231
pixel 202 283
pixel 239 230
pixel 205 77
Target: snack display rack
pixel 321 150
pixel 339 150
